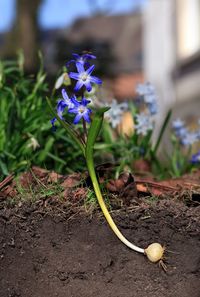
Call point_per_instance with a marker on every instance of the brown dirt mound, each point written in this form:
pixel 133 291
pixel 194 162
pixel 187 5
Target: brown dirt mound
pixel 57 253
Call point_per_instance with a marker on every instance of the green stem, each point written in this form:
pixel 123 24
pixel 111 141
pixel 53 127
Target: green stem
pixel 84 130
pixel 90 165
pixel 92 135
pixel 162 130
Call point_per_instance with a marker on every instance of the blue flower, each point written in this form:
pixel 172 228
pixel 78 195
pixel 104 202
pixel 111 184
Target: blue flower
pixel 148 95
pixel 65 102
pixel 61 105
pixel 153 107
pixel 178 124
pixel 145 89
pixel 186 137
pixel 81 110
pixel 84 77
pixel 52 121
pixel 143 124
pixel 195 158
pixel 189 139
pixel 179 129
pixel 114 114
pixel 198 134
pixel 82 59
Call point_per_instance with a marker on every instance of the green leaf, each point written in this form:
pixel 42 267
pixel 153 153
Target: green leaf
pixel 162 130
pixel 4 168
pixel 56 158
pixel 46 149
pixel 94 130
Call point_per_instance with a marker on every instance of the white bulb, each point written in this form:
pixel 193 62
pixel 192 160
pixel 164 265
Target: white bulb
pixel 154 252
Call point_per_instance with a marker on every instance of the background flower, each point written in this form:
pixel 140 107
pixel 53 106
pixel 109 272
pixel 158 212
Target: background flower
pixel 114 114
pixel 148 96
pixel 143 124
pixel 82 59
pixel 195 158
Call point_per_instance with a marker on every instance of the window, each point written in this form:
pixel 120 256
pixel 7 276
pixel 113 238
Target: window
pixel 188 28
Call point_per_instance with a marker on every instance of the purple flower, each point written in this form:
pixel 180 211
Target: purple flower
pixel 195 158
pixel 81 110
pixel 65 102
pixel 84 77
pixel 82 59
pixel 61 105
pixel 53 124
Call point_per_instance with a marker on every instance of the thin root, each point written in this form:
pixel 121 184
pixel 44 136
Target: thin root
pixel 163 265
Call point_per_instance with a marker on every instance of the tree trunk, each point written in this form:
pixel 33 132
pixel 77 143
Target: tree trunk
pixel 25 33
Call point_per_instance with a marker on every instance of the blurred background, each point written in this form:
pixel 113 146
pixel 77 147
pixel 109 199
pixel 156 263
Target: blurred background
pixel 135 41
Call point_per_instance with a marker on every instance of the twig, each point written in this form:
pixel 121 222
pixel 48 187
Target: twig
pixel 6 181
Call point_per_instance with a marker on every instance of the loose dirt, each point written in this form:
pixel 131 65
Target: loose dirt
pixel 54 252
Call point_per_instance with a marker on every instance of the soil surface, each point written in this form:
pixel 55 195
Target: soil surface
pixel 56 252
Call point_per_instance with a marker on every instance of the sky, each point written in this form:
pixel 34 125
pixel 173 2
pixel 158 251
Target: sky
pixel 60 13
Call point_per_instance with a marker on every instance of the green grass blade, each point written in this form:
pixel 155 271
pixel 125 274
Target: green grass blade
pixel 162 130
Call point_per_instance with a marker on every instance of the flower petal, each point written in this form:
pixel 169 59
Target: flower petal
pixel 76 56
pixel 85 102
pixel 77 118
pixel 74 75
pixel 90 69
pixel 53 124
pixel 95 80
pixel 74 101
pixel 89 57
pixel 70 62
pixel 88 86
pixel 59 81
pixel 64 94
pixel 80 67
pixel 78 85
pixel 72 110
pixel 60 108
pixel 86 116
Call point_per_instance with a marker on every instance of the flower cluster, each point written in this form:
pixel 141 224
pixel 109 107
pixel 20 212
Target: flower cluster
pixel 184 135
pixel 84 80
pixel 144 124
pixel 195 158
pixel 147 96
pixel 114 114
pixel 147 99
pixel 187 138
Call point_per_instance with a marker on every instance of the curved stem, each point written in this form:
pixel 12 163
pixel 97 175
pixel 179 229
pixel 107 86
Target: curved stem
pixel 90 165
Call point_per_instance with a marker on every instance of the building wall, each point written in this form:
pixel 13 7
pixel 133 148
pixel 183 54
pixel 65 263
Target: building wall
pixel 172 54
pixel 159 52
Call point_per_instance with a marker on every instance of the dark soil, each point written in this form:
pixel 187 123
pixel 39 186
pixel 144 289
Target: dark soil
pixel 56 252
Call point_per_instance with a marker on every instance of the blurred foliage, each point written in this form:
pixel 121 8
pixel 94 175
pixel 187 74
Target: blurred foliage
pixel 25 129
pixel 26 137
pixel 125 149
